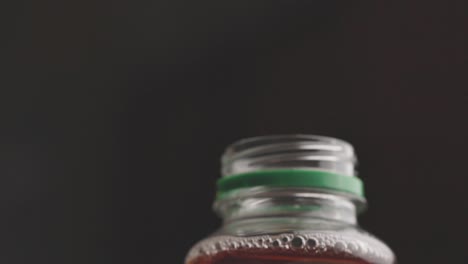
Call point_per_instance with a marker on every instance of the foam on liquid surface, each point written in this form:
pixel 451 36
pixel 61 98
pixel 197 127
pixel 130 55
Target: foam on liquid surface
pixel 350 244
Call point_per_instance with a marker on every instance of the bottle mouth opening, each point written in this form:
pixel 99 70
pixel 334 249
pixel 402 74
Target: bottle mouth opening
pixel 289 152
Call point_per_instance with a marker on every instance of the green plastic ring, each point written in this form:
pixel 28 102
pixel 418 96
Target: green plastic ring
pixel 291 178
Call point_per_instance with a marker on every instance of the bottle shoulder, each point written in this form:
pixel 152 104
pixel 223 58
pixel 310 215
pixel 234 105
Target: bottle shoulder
pixel 319 240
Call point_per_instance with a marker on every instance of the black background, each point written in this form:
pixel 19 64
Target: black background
pixel 114 115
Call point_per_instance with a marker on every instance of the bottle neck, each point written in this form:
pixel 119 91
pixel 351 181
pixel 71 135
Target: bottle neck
pixel 295 204
pixel 286 181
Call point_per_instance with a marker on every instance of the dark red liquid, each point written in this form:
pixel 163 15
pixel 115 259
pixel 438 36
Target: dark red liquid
pixel 270 257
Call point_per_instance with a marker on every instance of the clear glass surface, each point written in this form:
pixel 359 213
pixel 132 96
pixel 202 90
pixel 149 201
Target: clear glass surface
pixel 289 225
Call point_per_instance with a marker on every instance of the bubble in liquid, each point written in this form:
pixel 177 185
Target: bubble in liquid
pixel 323 243
pixel 276 243
pixel 201 251
pixel 340 246
pixel 353 247
pixel 218 246
pixel 311 242
pixel 362 249
pixel 234 245
pixel 297 242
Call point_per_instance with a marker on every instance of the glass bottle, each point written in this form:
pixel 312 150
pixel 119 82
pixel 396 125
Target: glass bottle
pixel 289 199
